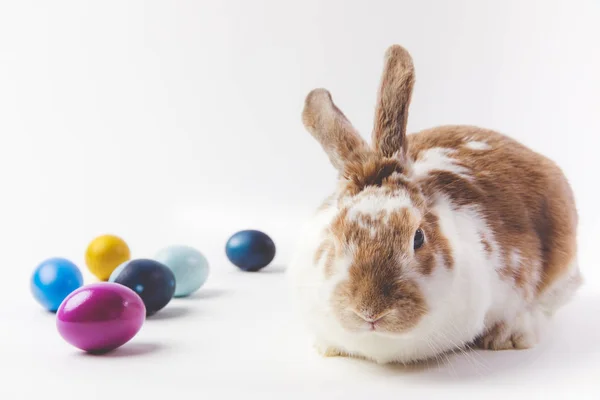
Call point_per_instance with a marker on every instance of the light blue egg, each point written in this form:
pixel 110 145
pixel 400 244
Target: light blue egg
pixel 117 271
pixel 189 266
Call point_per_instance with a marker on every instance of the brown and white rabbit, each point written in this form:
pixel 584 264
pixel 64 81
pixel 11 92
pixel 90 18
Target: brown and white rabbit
pixel 453 236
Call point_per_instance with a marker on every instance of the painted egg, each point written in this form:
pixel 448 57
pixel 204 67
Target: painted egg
pixel 151 280
pixel 189 266
pixel 53 280
pixel 250 250
pixel 100 317
pixel 104 254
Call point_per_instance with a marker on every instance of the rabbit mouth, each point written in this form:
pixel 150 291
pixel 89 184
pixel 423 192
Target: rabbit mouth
pixel 378 327
pixel 378 331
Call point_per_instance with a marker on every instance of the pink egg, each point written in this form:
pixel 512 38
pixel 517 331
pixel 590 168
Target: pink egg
pixel 100 317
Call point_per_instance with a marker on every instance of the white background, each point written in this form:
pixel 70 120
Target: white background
pixel 179 122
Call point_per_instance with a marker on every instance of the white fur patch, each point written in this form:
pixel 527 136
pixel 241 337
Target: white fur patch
pixel 438 159
pixel 371 204
pixel 477 145
pixel 484 292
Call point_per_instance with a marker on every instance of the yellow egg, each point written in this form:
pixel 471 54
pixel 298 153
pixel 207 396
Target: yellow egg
pixel 104 254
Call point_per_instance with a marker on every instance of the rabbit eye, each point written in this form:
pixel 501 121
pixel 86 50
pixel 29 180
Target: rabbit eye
pixel 419 238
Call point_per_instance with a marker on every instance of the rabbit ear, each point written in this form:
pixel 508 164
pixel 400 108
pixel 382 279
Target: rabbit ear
pixel 331 128
pixel 397 81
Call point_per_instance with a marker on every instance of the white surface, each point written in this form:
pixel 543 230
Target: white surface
pixel 179 122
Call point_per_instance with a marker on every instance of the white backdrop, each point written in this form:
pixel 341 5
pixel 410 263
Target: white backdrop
pixel 179 121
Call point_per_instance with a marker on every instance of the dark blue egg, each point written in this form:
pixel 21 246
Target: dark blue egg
pixel 250 250
pixel 153 281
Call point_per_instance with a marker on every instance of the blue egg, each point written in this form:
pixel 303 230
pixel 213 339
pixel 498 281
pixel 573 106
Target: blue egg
pixel 189 266
pixel 53 280
pixel 151 280
pixel 250 250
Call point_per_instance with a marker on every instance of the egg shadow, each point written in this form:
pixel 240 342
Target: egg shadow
pixel 128 350
pixel 49 313
pixel 169 312
pixel 269 269
pixel 204 294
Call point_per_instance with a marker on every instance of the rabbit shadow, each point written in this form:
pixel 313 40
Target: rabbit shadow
pixel 569 339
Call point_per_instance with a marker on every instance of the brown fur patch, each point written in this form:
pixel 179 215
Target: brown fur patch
pixel 330 127
pixel 374 171
pixel 436 244
pixel 329 259
pixel 375 291
pixel 508 272
pixel 326 250
pixel 523 196
pixel 486 245
pixel 393 101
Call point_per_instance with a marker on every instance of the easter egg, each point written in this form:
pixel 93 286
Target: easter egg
pixel 151 280
pixel 53 280
pixel 250 250
pixel 189 266
pixel 104 254
pixel 100 317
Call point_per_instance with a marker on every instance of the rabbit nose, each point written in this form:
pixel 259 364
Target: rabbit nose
pixel 370 316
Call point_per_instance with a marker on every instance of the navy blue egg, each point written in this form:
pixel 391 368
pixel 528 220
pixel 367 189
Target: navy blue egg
pixel 250 250
pixel 153 281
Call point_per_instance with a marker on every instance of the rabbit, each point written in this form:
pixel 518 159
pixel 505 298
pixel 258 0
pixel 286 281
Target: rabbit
pixel 451 238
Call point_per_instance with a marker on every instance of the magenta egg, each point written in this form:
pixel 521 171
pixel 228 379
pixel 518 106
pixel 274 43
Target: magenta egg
pixel 100 317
